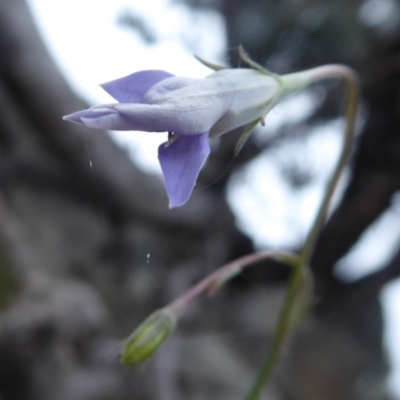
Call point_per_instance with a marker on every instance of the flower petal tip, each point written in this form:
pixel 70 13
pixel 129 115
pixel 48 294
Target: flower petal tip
pixel 175 203
pixel 72 118
pixel 131 88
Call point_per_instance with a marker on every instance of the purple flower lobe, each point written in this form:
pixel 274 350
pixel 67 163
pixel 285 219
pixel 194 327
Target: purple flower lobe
pixel 132 88
pixel 181 162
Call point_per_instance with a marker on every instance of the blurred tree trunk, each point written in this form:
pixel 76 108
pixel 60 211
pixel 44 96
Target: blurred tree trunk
pixel 88 246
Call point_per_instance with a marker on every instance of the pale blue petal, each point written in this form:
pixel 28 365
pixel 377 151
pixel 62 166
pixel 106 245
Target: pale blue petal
pixel 132 88
pixel 181 162
pixel 101 117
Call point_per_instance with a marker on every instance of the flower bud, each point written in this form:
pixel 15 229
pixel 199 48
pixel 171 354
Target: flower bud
pixel 147 338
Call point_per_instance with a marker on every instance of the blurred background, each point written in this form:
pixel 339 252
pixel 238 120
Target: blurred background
pixel 88 246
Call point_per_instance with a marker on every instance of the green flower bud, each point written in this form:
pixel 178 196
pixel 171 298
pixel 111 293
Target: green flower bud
pixel 147 338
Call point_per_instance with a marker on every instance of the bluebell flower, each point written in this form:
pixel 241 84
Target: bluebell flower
pixel 190 110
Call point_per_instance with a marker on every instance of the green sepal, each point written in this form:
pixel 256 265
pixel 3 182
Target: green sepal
pixel 245 135
pixel 214 67
pixel 246 58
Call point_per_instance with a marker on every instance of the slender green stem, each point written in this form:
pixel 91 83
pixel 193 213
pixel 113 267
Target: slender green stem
pixel 280 335
pixel 291 81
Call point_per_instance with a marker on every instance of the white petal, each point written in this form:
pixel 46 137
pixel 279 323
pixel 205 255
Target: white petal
pixel 250 94
pixel 185 106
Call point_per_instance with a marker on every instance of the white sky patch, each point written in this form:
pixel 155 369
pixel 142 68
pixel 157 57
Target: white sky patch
pixel 390 298
pixel 375 248
pixel 380 14
pixel 268 209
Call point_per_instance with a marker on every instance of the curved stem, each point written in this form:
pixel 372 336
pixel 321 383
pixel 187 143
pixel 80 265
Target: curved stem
pixel 213 282
pixel 351 81
pixel 291 81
